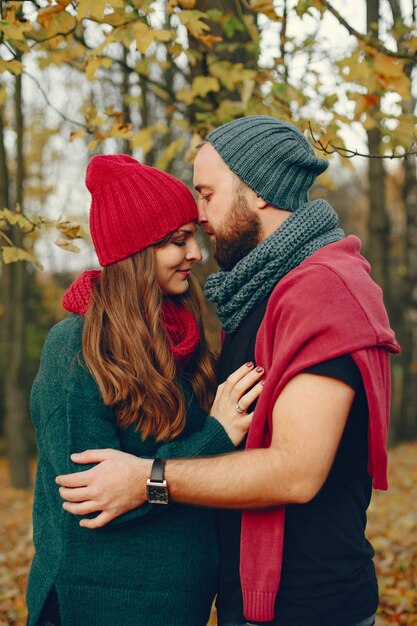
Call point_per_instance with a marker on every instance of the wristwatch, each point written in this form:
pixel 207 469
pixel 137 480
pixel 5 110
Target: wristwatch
pixel 156 485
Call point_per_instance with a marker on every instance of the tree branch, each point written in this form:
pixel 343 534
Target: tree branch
pixel 369 40
pixel 49 103
pixel 59 34
pixel 330 148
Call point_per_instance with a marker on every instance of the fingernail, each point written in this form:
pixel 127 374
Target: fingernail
pixel 249 364
pixel 259 369
pixel 262 382
pixel 74 455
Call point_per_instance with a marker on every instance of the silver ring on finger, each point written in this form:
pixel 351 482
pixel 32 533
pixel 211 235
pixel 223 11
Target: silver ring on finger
pixel 239 410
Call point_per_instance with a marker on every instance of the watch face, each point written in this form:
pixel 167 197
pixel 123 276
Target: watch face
pixel 157 493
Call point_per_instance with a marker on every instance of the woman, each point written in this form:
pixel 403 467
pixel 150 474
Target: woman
pixel 131 370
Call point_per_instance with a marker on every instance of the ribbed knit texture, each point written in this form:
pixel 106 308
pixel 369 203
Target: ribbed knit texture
pixel 238 291
pixel 78 295
pixel 271 156
pixel 133 206
pixel 179 324
pixel 152 566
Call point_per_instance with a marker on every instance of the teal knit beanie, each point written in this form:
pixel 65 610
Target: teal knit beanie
pixel 271 156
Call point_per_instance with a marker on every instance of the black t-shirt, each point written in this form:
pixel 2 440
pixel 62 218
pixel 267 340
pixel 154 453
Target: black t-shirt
pixel 328 576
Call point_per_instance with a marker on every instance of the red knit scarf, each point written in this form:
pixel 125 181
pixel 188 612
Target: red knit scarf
pixel 179 324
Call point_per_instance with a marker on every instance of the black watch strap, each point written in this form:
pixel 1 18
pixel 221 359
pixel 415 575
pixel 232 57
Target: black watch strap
pixel 157 471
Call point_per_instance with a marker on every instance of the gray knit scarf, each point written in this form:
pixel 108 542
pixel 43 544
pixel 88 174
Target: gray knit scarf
pixel 239 291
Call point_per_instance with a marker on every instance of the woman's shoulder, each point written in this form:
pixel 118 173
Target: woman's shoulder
pixel 64 336
pixel 62 356
pixel 67 328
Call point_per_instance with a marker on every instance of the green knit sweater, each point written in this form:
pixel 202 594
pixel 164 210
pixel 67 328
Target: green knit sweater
pixel 154 566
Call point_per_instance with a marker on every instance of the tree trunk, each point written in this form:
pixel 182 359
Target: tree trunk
pixel 238 49
pixel 15 401
pixel 125 91
pixel 4 276
pixel 405 426
pixel 379 226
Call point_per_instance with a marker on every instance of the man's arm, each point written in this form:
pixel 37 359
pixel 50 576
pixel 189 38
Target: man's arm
pixel 308 421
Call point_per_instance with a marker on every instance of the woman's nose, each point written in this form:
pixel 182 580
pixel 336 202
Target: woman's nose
pixel 194 252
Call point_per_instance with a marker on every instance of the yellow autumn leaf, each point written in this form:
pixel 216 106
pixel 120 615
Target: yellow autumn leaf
pixel 227 111
pixel 45 13
pixel 231 74
pixel 209 40
pixel 14 66
pixel 111 37
pixel 93 65
pixel 96 120
pixel 77 134
pixel 355 68
pixel 14 29
pixel 247 91
pixel 390 75
pixel 95 8
pixel 163 34
pixel 10 254
pixel 200 86
pixel 144 36
pixel 181 123
pixel 120 131
pixel 72 231
pixel 160 92
pixel 389 66
pixel 193 21
pixel 267 8
pixel 144 139
pixel 369 122
pixel 67 245
pixel 364 102
pixel 92 145
pixel 171 151
pixel 405 132
pixel 183 4
pixel 15 218
pixel 3 96
pixel 252 28
pixel 191 153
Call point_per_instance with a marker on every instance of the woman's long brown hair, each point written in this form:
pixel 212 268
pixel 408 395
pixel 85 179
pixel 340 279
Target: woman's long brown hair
pixel 126 349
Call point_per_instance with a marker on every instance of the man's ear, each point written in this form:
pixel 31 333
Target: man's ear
pixel 260 203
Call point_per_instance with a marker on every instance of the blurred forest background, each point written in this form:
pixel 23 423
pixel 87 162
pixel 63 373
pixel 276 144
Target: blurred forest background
pixel 150 78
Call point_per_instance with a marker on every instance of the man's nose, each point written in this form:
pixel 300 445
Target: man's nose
pixel 202 217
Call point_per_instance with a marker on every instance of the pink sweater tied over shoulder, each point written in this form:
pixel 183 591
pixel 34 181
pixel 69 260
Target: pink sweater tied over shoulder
pixel 326 307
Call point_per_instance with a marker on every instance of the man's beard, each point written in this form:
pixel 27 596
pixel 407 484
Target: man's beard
pixel 239 234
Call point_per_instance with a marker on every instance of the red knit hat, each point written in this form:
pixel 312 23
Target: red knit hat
pixel 133 206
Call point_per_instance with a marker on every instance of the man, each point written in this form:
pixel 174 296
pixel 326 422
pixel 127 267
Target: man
pixel 295 295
